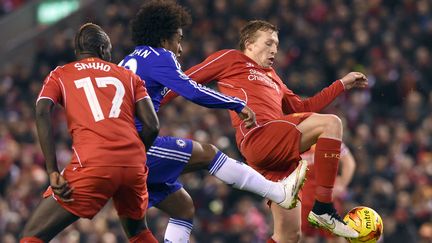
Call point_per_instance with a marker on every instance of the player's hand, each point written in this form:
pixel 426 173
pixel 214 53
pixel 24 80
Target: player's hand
pixel 354 80
pixel 248 116
pixel 60 186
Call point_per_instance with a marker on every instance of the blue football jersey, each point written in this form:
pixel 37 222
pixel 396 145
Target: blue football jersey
pixel 161 72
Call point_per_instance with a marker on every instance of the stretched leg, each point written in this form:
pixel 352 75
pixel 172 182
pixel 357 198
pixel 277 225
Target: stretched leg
pixel 243 177
pixel 179 206
pixel 48 219
pixel 131 200
pixel 286 224
pixel 166 160
pixel 326 132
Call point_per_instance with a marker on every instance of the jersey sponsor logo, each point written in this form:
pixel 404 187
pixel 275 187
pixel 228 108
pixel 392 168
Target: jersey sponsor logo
pixel 181 143
pixel 255 75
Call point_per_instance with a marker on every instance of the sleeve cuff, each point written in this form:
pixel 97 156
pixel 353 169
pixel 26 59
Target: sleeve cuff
pixel 341 84
pixel 239 108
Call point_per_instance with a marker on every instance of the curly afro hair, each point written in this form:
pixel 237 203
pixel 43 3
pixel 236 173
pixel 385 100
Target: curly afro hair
pixel 157 21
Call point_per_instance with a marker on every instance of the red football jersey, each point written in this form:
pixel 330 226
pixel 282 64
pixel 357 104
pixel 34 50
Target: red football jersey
pixel 261 88
pixel 99 100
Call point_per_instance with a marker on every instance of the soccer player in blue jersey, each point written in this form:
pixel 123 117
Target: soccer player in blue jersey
pixel 157 33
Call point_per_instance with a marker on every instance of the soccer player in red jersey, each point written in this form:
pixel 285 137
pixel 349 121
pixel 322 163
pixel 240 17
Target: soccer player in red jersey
pixel 100 100
pixel 157 31
pixel 310 234
pixel 286 125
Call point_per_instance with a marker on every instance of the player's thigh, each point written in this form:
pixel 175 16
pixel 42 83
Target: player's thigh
pixel 93 187
pixel 178 205
pixel 287 223
pixel 131 197
pixel 48 219
pixel 313 126
pixel 273 143
pixel 167 158
pixel 273 149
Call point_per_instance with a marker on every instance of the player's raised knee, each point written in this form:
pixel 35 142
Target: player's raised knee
pixel 334 123
pixel 210 148
pixel 209 151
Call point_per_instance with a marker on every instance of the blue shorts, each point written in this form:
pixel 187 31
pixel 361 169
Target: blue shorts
pixel 166 160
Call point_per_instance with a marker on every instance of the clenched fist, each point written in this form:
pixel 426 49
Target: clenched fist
pixel 354 80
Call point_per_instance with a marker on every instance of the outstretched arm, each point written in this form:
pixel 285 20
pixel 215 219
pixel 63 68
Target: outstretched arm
pixel 168 72
pixel 205 72
pixel 172 77
pixel 292 103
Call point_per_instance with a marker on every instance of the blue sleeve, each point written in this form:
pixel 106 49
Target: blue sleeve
pixel 167 71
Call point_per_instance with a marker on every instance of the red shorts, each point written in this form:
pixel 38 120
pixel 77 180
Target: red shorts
pixel 94 186
pixel 273 149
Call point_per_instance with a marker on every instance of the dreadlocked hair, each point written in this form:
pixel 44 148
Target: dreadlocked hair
pixel 157 21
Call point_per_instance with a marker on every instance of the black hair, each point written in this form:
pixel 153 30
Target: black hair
pixel 89 38
pixel 157 21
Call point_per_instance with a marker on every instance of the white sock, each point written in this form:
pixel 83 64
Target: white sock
pixel 243 177
pixel 178 231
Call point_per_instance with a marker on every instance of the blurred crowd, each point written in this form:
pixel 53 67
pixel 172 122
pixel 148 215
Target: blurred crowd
pixel 388 127
pixel 8 6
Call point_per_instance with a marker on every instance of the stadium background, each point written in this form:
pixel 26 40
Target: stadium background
pixel 388 127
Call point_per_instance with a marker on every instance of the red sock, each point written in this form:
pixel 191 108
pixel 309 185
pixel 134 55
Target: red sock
pixel 145 236
pixel 271 241
pixel 326 160
pixel 30 240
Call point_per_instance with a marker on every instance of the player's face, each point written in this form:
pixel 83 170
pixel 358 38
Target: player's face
pixel 174 44
pixel 264 48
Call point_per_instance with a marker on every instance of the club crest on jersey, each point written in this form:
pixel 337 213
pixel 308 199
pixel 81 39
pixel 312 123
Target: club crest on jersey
pixel 181 143
pixel 249 64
